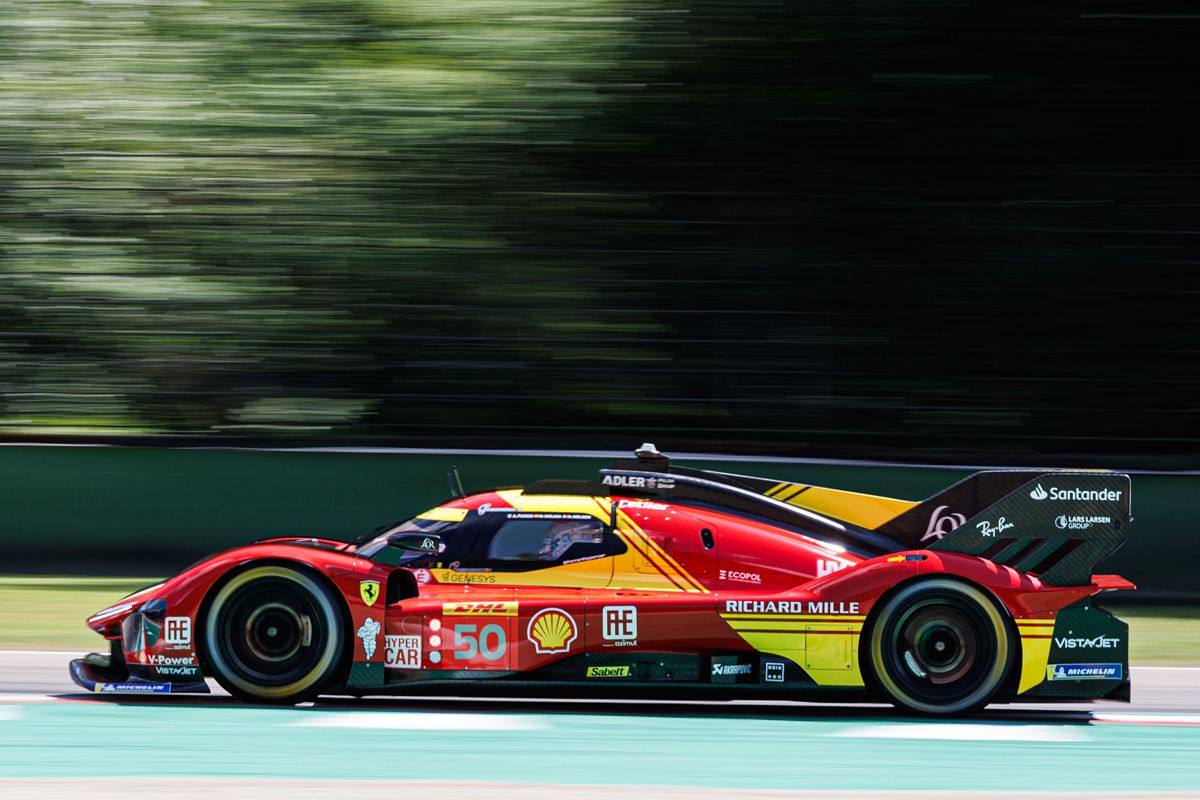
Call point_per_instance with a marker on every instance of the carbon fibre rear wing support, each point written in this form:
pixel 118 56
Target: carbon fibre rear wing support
pixel 1058 525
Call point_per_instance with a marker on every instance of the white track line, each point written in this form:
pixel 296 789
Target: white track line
pixel 29 698
pixel 1138 718
pixel 1004 732
pixel 409 721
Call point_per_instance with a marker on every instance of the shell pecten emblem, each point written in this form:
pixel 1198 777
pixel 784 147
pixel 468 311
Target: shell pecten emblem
pixel 552 630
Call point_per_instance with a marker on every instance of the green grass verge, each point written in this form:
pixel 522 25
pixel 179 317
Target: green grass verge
pixel 47 613
pixel 1162 635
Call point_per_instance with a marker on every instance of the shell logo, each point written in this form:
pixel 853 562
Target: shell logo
pixel 552 630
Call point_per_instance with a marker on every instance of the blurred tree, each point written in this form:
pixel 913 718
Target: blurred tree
pixel 940 230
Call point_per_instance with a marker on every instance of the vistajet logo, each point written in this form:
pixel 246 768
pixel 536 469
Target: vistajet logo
pixel 1055 493
pixel 1096 642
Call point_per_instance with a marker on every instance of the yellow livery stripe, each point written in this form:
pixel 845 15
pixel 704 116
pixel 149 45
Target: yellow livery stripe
pixel 867 510
pixel 442 514
pixel 787 494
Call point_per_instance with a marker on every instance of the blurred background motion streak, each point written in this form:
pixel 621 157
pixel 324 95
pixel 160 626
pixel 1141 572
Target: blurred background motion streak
pixel 933 231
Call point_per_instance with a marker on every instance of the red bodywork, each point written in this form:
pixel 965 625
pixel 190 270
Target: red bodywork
pixel 701 602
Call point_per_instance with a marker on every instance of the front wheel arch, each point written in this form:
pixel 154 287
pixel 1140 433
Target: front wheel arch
pixel 345 652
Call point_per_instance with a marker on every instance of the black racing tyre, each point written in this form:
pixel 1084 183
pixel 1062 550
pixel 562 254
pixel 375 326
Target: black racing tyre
pixel 274 634
pixel 940 647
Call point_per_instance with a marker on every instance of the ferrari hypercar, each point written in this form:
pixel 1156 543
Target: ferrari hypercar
pixel 661 581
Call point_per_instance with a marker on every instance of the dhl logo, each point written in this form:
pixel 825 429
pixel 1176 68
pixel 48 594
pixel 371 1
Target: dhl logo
pixel 508 609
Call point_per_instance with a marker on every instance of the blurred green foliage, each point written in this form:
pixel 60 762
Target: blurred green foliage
pixel 268 214
pixel 866 230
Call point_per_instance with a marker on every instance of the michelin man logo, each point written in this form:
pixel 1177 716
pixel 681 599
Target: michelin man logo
pixel 369 633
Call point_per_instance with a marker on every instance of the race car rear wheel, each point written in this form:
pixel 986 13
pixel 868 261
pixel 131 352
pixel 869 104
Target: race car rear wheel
pixel 273 634
pixel 940 647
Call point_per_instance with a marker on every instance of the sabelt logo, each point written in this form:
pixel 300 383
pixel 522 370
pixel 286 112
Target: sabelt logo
pixel 1055 493
pixel 608 672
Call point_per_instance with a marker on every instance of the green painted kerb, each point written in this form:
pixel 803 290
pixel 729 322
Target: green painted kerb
pixel 103 740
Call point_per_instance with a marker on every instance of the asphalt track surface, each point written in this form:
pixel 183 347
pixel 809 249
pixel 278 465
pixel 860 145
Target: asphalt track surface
pixel 57 741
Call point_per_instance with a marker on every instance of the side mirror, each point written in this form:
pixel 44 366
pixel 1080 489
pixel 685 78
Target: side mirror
pixel 417 542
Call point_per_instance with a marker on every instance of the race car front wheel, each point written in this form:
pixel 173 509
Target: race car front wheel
pixel 940 647
pixel 273 634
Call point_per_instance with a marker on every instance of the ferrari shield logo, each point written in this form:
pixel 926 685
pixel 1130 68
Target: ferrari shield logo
pixel 368 591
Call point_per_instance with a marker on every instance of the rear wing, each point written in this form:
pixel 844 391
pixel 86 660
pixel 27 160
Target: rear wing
pixel 1055 524
pixel 1058 525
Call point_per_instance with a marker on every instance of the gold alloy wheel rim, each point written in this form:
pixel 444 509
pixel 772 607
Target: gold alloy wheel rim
pixel 321 600
pixel 987 687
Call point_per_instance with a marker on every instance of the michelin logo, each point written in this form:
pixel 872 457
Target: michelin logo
pixel 1083 672
pixel 133 688
pixel 1055 493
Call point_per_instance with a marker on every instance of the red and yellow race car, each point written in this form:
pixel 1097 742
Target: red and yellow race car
pixel 661 581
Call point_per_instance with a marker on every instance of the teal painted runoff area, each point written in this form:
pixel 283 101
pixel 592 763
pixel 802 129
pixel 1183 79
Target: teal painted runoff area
pixel 177 505
pixel 695 748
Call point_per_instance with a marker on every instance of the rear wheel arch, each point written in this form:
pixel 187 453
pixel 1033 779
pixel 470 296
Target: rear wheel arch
pixel 1006 686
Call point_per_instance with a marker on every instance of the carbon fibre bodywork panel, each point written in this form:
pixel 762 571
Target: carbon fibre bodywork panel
pixel 1058 525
